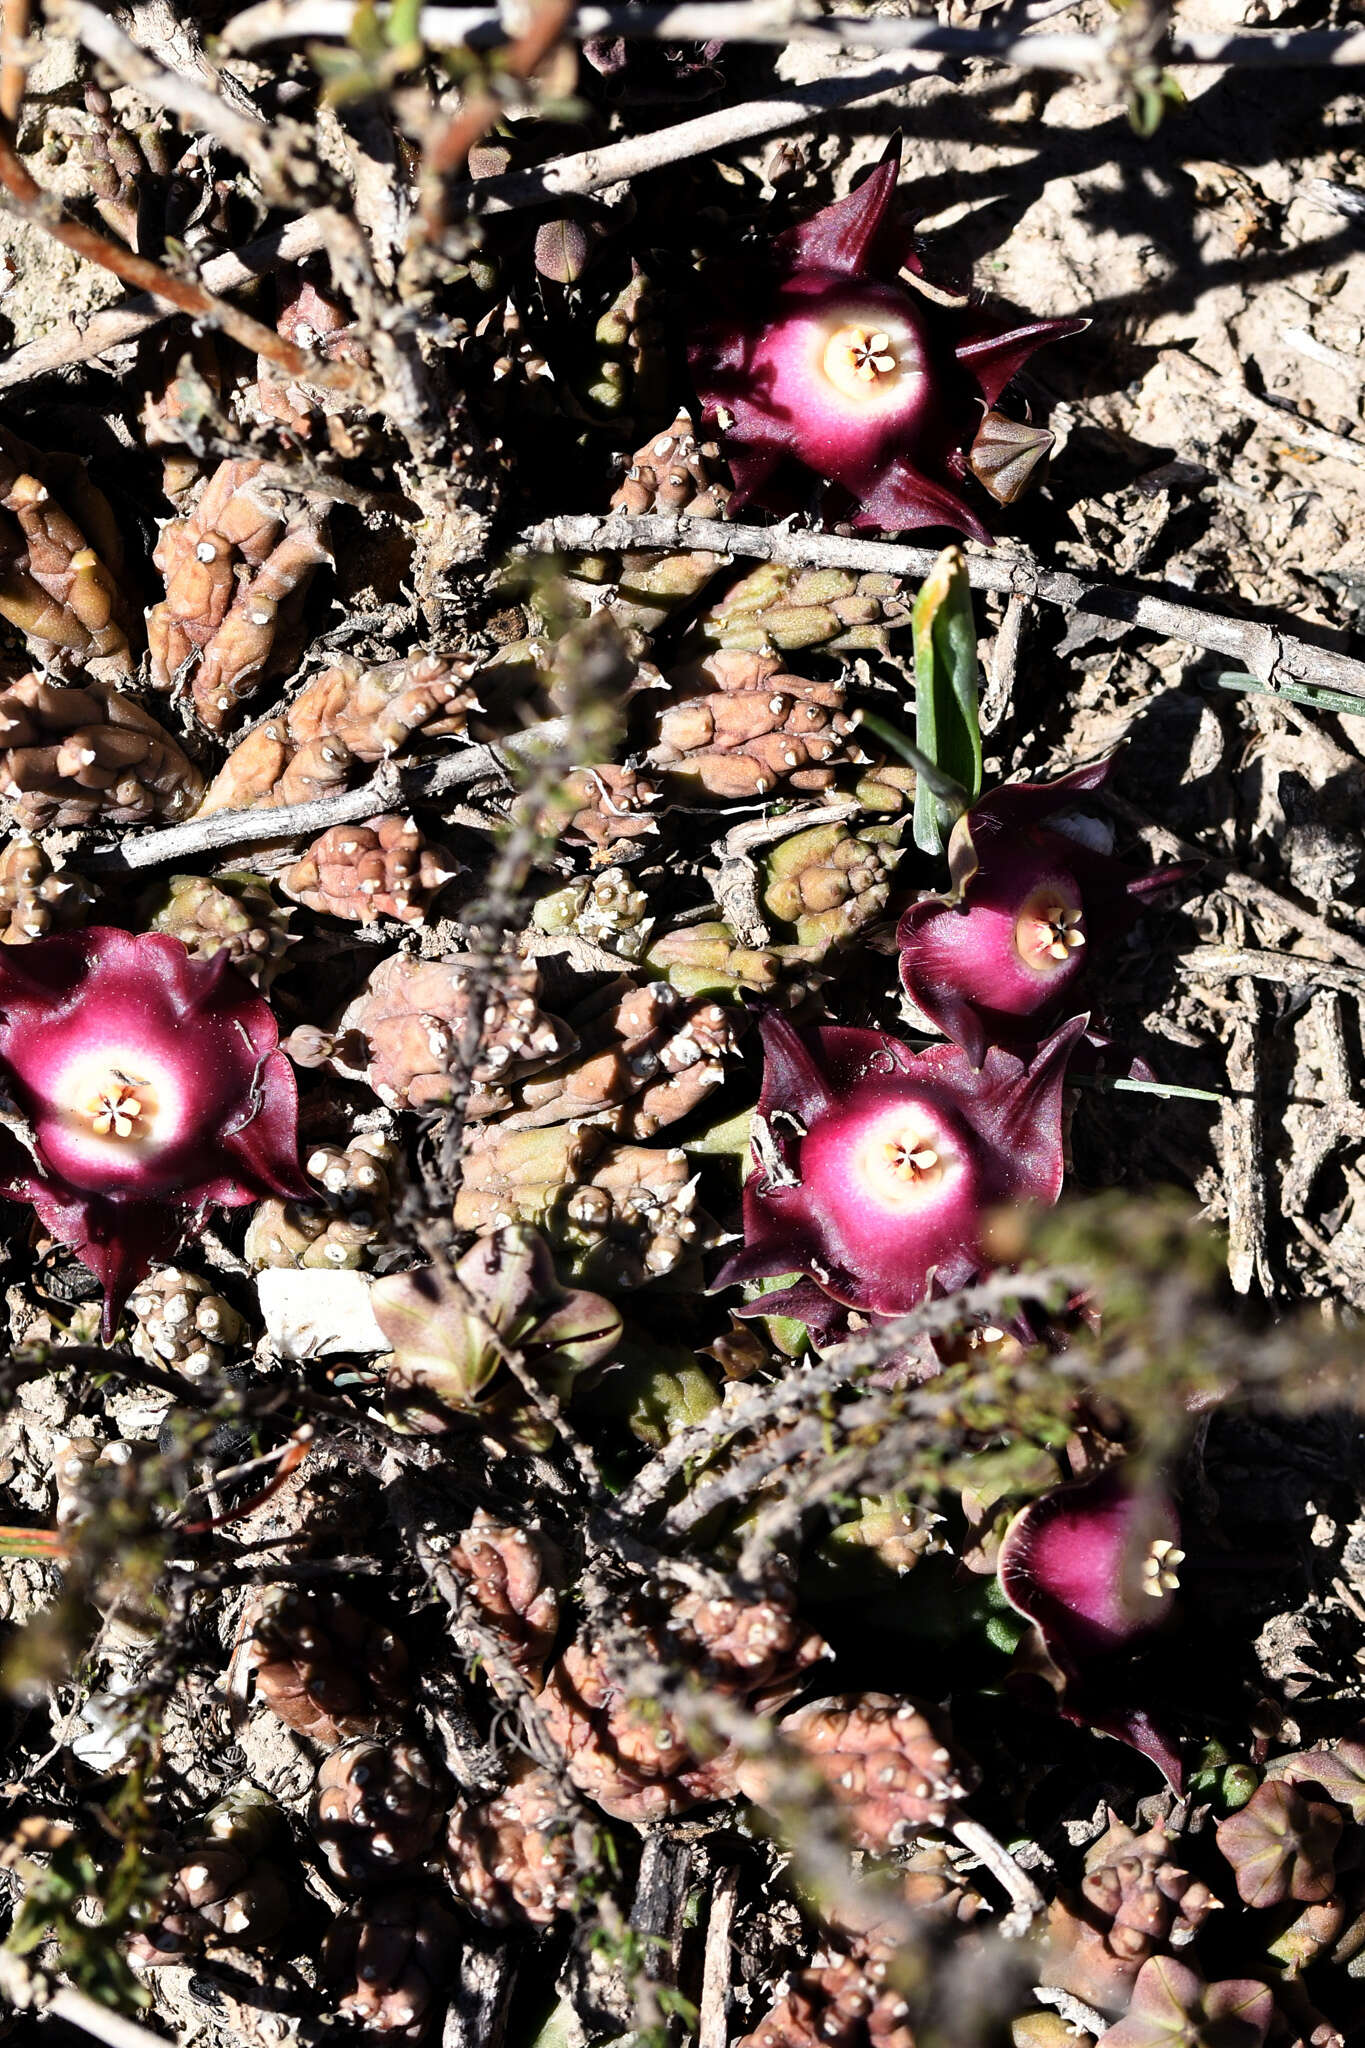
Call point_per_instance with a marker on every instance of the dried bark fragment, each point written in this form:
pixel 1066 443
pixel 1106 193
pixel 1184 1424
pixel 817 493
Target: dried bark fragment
pixel 744 728
pixel 510 1857
pixel 322 1666
pixel 90 755
pixel 361 872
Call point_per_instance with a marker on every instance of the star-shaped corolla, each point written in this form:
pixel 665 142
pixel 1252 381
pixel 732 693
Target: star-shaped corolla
pixel 154 1090
pixel 875 1166
pixel 823 360
pixel 998 959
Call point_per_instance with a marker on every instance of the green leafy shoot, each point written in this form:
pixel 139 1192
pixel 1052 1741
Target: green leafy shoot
pixel 947 714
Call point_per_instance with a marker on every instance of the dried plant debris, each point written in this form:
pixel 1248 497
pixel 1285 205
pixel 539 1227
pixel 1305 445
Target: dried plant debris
pixel 683 1211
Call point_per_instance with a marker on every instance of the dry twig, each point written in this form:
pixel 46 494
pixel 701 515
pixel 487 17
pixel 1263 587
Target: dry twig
pixel 757 21
pixel 1280 419
pixel 117 324
pixel 1270 655
pixel 25 196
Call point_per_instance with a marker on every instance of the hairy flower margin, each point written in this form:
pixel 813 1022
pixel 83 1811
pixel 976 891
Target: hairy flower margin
pixel 998 958
pixel 875 1166
pixel 824 361
pixel 154 1090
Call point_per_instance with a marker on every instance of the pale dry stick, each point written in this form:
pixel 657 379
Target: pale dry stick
pixel 257 823
pixel 1236 398
pixel 1290 970
pixel 712 2022
pixel 994 1856
pixel 1083 2018
pixel 591 169
pixel 758 21
pixel 27 1988
pixel 1269 655
pixel 125 322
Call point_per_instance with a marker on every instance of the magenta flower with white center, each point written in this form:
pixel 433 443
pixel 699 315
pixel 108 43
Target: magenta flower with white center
pixel 876 1166
pixel 998 958
pixel 1093 1565
pixel 1096 1567
pixel 154 1089
pixel 825 361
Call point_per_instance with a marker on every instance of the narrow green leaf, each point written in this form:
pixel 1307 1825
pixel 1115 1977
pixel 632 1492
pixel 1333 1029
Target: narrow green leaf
pixel 949 792
pixel 403 25
pixel 947 719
